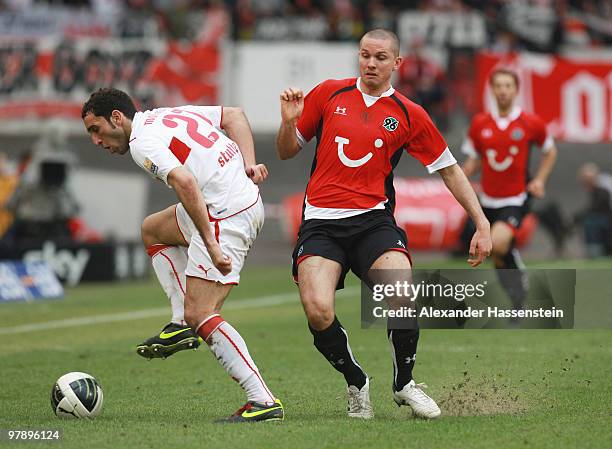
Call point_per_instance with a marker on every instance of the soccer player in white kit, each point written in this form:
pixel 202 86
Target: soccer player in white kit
pixel 218 218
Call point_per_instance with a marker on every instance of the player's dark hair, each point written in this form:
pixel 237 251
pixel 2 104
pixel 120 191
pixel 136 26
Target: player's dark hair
pixel 107 99
pixel 503 71
pixel 382 34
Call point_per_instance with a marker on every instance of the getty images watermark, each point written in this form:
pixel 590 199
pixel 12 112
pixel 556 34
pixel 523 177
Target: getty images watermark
pixel 458 292
pixel 455 299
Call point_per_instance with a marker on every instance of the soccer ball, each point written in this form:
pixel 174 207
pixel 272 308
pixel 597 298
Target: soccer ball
pixel 77 395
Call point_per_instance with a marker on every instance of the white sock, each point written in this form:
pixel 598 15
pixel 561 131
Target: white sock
pixel 169 263
pixel 231 351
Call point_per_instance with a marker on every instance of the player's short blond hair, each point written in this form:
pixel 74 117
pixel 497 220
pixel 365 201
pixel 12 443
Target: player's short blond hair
pixel 382 34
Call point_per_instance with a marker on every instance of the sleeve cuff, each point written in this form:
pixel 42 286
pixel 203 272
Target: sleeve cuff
pixel 548 144
pixel 468 148
pixel 300 138
pixel 164 175
pixel 446 159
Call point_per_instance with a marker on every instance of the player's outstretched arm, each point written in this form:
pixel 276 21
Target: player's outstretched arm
pixel 460 187
pixel 471 166
pixel 537 186
pixel 292 105
pixel 189 194
pixel 236 124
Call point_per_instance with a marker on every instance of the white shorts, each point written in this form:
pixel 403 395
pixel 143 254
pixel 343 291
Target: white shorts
pixel 235 234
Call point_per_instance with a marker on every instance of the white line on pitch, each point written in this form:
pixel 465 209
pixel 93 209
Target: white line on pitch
pixel 262 301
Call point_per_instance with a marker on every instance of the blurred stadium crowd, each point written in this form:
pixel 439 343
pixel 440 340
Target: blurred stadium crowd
pixel 436 63
pixel 535 25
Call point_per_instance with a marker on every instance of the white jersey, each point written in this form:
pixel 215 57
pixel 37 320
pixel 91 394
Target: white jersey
pixel 166 138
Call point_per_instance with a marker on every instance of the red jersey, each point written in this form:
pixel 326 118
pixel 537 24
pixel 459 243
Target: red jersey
pixel 360 140
pixel 503 145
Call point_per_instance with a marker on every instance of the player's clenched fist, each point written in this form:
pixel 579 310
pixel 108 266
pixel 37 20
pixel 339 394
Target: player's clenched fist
pixel 536 188
pixel 292 103
pixel 258 173
pixel 221 261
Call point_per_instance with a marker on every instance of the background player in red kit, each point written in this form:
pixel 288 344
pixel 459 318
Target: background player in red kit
pixel 498 143
pixel 362 128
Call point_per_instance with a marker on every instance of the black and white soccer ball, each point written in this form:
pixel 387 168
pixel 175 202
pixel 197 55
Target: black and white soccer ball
pixel 77 395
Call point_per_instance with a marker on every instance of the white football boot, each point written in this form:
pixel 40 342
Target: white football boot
pixel 413 395
pixel 359 405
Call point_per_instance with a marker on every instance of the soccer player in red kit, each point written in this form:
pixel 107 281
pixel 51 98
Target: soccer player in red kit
pixel 498 144
pixel 363 126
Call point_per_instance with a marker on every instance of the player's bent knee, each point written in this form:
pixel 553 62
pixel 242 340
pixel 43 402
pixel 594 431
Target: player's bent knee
pixel 495 251
pixel 392 260
pixel 147 231
pixel 500 249
pixel 319 316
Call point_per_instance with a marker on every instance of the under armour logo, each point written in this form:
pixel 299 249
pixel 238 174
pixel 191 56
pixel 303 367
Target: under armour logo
pixel 410 359
pixel 340 111
pixel 400 243
pixel 337 362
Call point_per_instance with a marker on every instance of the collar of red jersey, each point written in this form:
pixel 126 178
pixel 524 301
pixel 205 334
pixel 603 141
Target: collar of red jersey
pixel 386 93
pixel 504 122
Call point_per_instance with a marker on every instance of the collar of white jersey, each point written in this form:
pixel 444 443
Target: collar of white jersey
pixel 504 122
pixel 370 99
pixel 136 124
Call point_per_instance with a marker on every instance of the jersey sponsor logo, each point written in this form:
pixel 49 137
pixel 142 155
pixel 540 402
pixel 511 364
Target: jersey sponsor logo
pixel 340 111
pixel 149 165
pixel 352 163
pixel 517 134
pixel 390 124
pixel 498 166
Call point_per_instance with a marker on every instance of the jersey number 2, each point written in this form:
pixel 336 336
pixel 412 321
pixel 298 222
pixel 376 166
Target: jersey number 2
pixel 179 148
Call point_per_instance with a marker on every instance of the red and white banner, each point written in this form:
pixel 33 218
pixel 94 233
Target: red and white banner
pixel 424 208
pixel 573 96
pixel 51 79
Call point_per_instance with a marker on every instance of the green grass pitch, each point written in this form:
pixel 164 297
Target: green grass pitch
pixel 496 388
